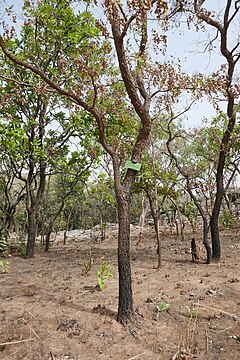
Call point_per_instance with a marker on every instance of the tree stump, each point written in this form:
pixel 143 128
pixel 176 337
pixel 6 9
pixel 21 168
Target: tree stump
pixel 194 250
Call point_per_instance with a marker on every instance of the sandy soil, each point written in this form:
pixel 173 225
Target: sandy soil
pixel 51 309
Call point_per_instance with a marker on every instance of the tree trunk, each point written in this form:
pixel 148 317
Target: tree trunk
pixel 47 239
pixel 125 304
pixel 216 247
pixel 205 239
pixel 31 232
pixel 204 218
pixel 155 217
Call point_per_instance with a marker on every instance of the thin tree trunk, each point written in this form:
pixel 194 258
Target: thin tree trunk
pixel 31 232
pixel 205 222
pixel 154 213
pixel 47 239
pixel 142 217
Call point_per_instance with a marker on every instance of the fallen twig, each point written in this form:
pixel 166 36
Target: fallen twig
pixel 30 327
pixel 234 316
pixel 32 315
pixel 136 356
pixel 9 356
pixel 17 342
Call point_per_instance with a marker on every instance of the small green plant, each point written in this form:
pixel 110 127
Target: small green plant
pixel 4 249
pixel 4 266
pixel 23 248
pixel 227 220
pixel 104 272
pixel 87 264
pixel 162 306
pixel 192 312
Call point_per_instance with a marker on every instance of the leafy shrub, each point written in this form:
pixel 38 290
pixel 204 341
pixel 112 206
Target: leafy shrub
pixel 104 272
pixel 227 220
pixel 4 242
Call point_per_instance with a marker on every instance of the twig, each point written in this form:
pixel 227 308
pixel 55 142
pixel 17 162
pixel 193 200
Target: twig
pixel 234 316
pixel 136 356
pixel 84 292
pixel 52 356
pixel 7 357
pixel 30 327
pixel 220 331
pixel 32 315
pixel 17 342
pixel 207 342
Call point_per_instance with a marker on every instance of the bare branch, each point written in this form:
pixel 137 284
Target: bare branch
pixel 127 24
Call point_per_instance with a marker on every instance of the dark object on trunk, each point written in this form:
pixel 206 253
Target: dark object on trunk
pixel 194 250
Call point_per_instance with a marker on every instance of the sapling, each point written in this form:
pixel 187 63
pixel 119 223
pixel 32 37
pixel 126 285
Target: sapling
pixel 4 266
pixel 192 312
pixel 104 272
pixel 162 306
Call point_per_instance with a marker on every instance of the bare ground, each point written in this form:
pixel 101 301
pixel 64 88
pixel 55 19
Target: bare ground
pixel 51 310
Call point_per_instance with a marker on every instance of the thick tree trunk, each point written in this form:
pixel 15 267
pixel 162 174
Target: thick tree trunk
pixel 216 246
pixel 125 304
pixel 31 232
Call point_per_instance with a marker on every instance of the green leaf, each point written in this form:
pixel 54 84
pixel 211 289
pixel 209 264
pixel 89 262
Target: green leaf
pixel 162 306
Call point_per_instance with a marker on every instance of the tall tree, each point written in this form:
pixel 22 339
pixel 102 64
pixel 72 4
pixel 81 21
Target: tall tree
pixel 82 67
pixel 230 51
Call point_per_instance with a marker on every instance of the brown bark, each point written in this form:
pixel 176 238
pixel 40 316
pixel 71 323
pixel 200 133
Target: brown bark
pixel 125 302
pixel 31 232
pixel 155 216
pixel 205 222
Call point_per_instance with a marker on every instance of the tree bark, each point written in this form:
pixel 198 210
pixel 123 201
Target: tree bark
pixel 125 303
pixel 155 217
pixel 205 221
pixel 31 232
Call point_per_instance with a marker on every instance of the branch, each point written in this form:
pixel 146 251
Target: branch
pixel 21 83
pixel 70 94
pixel 127 24
pixel 235 12
pixel 65 92
pixel 204 16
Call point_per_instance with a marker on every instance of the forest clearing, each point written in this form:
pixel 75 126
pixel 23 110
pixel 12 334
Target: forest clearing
pixel 51 307
pixel 100 110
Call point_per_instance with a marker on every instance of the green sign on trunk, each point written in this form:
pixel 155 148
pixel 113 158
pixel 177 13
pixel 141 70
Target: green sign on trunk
pixel 134 166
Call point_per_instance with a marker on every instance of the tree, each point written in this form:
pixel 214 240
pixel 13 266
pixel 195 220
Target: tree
pixel 11 194
pixel 31 149
pixel 230 89
pixel 95 67
pixel 72 176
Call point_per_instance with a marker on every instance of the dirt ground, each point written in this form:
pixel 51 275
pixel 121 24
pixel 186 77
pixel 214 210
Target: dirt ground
pixel 51 309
